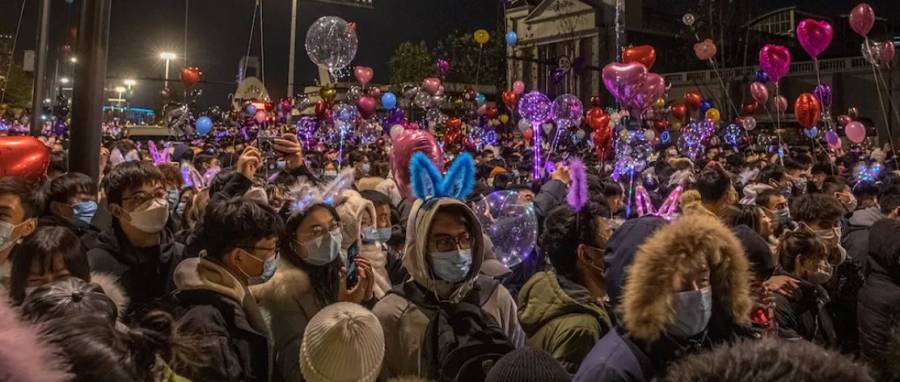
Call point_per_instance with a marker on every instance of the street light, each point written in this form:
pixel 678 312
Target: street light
pixel 73 59
pixel 64 80
pixel 129 82
pixel 168 56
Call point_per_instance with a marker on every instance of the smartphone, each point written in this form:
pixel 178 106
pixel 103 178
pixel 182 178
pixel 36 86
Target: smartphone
pixel 352 269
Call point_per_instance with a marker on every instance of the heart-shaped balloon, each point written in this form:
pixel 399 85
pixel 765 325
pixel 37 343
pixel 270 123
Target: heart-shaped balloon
pixel 431 85
pixel 190 76
pixel 408 143
pixel 510 99
pixel 775 60
pixel 328 93
pixel 618 76
pixel 643 54
pixel 760 92
pixel 678 111
pixel 807 109
pixel 596 118
pixel 366 106
pixel 646 91
pixel 692 99
pixel 24 157
pixel 862 18
pixel 363 74
pixel 888 51
pixel 781 104
pixel 705 50
pixel 814 36
pixel 749 108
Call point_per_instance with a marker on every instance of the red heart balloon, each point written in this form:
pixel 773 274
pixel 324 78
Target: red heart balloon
pixel 453 124
pixel 679 110
pixel 643 54
pixel 24 157
pixel 366 106
pixel 705 50
pixel 510 99
pixel 491 110
pixel 692 99
pixel 322 110
pixel 660 124
pixel 190 76
pixel 749 108
pixel 597 119
pixel 807 110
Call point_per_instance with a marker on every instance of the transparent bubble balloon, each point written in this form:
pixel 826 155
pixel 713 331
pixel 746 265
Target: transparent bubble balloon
pixel 567 110
pixel 435 116
pixel 422 100
pixel 345 116
pixel 511 224
pixel 331 42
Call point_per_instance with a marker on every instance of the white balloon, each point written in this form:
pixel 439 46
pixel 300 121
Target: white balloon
pixel 396 130
pixel 331 42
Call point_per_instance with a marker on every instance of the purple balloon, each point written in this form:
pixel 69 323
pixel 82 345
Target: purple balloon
pixel 535 107
pixel 823 93
pixel 814 36
pixel 443 66
pixel 832 138
pixel 646 91
pixel 811 132
pixel 557 75
pixel 775 60
pixel 618 77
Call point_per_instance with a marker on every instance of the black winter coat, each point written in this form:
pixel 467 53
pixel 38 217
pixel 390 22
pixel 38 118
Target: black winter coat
pixel 879 299
pixel 805 314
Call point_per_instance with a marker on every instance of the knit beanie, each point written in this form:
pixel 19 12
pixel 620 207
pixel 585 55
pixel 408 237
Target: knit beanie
pixel 343 342
pixel 526 365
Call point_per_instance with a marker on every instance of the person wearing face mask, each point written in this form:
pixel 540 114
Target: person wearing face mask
pixel 687 290
pixel 20 205
pixel 564 311
pixel 856 238
pixel 776 207
pixel 360 162
pixel 139 249
pixel 311 275
pixel 805 313
pixel 444 253
pixel 212 298
pixel 358 220
pixel 72 203
pixel 387 235
pixel 48 255
pixel 772 177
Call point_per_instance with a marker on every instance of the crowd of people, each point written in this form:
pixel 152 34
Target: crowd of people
pixel 245 261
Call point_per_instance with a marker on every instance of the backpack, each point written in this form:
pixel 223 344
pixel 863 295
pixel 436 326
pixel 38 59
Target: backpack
pixel 462 341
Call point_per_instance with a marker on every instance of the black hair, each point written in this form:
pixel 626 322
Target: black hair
pixel 713 184
pixel 172 174
pixel 127 176
pixel 611 189
pixel 355 156
pixel 772 172
pixel 564 230
pixel 762 199
pixel 889 202
pixel 812 208
pixel 793 165
pixel 325 280
pixel 866 191
pixel 833 184
pixel 235 223
pixel 59 162
pixel 380 169
pixel 61 188
pixel 97 350
pixel 822 168
pixel 768 360
pixel 743 215
pixel 31 199
pixel 42 247
pixel 68 297
pixel 798 243
pixel 377 198
pixel 202 159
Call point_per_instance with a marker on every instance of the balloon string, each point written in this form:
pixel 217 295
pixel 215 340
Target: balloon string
pixel 890 101
pixel 555 141
pixel 778 125
pixel 536 132
pixel 880 98
pixel 724 88
pixel 478 66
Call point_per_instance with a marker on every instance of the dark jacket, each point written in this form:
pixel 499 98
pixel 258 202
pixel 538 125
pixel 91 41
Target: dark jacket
pixel 86 233
pixel 621 248
pixel 762 264
pixel 879 299
pixel 805 314
pixel 552 195
pixel 215 306
pixel 856 236
pixel 144 273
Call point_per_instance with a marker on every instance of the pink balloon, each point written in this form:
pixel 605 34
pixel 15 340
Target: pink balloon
pixel 406 144
pixel 843 120
pixel 646 91
pixel 781 104
pixel 814 36
pixel 260 116
pixel 431 85
pixel 856 132
pixel 862 18
pixel 775 60
pixel 518 87
pixel 760 92
pixel 617 77
pixel 705 50
pixel 366 106
pixel 363 74
pixel 887 53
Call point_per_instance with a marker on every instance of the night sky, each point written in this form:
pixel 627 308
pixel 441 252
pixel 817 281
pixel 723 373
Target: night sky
pixel 219 30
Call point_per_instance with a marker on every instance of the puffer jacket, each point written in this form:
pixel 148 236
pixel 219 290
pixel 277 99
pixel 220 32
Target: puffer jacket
pixel 562 318
pixel 804 314
pixel 404 322
pixel 879 299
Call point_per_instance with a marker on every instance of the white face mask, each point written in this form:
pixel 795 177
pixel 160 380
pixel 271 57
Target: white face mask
pixel 151 216
pixel 6 236
pixel 692 312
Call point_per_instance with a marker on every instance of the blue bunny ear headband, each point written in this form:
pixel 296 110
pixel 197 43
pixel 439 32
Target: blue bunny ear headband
pixel 428 183
pixel 305 193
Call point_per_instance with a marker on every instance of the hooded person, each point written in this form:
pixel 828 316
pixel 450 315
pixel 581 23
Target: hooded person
pixel 358 223
pixel 444 253
pixel 879 297
pixel 688 289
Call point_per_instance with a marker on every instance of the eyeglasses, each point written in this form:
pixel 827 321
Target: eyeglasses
pixel 445 243
pixel 141 197
pixel 319 231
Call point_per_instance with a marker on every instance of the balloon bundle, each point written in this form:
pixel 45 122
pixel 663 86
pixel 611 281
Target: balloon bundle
pixel 633 150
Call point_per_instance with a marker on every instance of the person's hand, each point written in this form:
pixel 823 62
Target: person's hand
pixel 290 148
pixel 561 174
pixel 249 162
pixel 784 285
pixel 362 291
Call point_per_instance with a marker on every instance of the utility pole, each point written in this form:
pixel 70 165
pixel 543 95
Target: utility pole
pixel 37 96
pixel 290 85
pixel 88 95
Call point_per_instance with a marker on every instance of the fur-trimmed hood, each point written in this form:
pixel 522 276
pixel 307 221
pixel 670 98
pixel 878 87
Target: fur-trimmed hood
pixel 670 254
pixel 112 289
pixel 286 289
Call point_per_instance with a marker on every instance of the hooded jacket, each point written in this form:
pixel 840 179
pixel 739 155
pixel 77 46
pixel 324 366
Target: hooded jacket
pixel 641 349
pixel 214 304
pixel 879 297
pixel 350 210
pixel 856 237
pixel 404 322
pixel 561 318
pixel 289 300
pixel 751 191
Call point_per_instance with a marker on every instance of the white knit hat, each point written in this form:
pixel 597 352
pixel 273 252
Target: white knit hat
pixel 343 342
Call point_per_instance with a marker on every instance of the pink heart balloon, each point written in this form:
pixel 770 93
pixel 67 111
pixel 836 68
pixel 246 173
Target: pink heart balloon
pixel 431 85
pixel 775 60
pixel 518 87
pixel 760 92
pixel 618 76
pixel 646 91
pixel 814 36
pixel 888 51
pixel 781 104
pixel 406 144
pixel 862 18
pixel 363 74
pixel 705 50
pixel 366 106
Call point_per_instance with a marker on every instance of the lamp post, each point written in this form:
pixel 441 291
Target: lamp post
pixel 129 83
pixel 168 56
